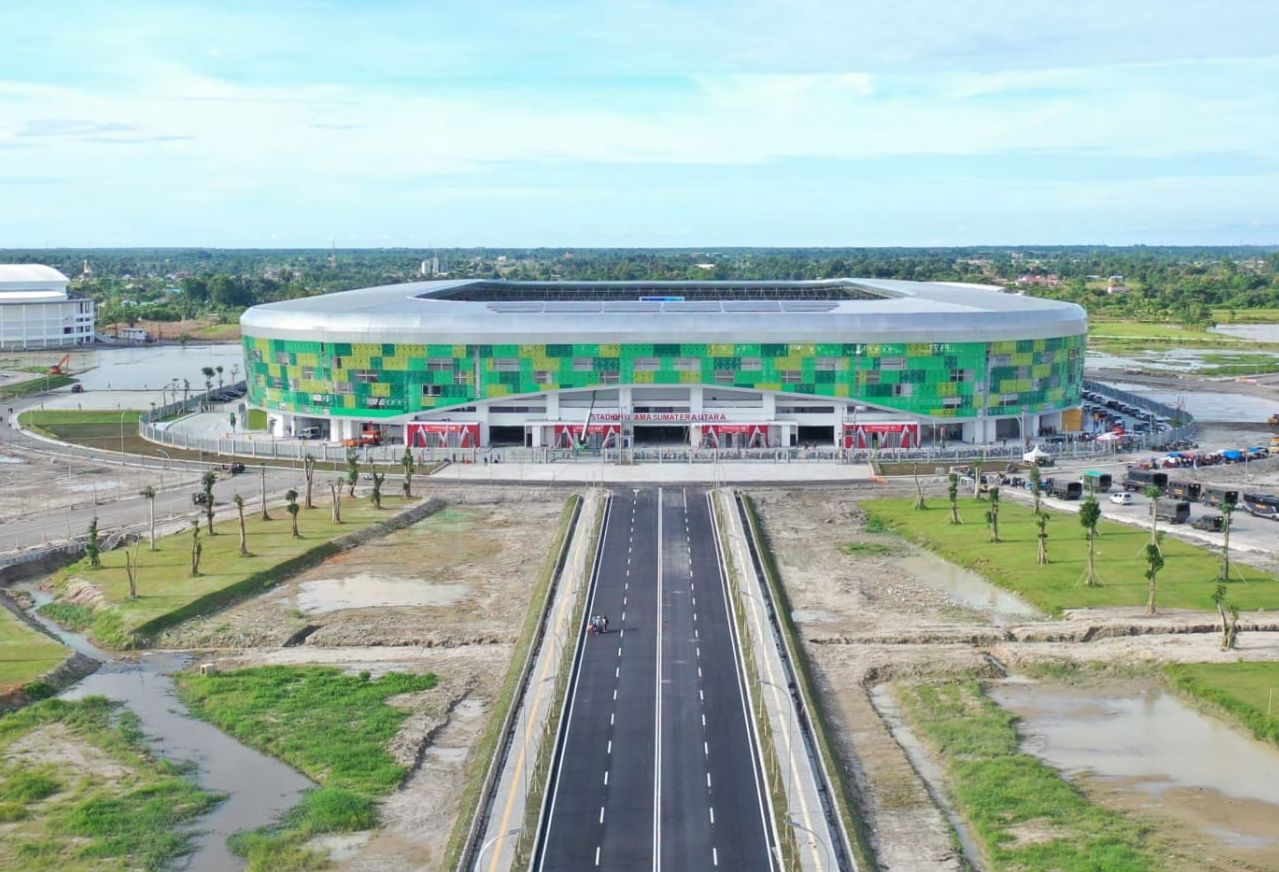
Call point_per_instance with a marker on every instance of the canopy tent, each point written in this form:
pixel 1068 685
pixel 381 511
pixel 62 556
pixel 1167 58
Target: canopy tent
pixel 1035 455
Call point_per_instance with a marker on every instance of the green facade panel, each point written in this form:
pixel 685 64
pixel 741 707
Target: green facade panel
pixel 942 380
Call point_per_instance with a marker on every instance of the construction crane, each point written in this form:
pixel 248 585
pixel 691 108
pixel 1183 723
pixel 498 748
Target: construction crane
pixel 59 368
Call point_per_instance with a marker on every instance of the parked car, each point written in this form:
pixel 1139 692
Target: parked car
pixel 77 388
pixel 1121 498
pixel 199 498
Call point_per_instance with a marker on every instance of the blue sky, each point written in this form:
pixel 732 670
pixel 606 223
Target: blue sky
pixel 746 122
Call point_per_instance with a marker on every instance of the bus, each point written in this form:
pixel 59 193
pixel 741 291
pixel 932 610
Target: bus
pixel 1140 479
pixel 1215 495
pixel 1262 506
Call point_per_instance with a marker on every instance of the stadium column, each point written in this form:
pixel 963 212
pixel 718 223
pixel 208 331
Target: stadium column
pixel 552 405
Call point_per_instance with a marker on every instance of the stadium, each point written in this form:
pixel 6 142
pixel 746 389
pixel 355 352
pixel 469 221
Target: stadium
pixel 848 363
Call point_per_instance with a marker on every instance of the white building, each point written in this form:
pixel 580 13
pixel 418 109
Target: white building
pixel 36 311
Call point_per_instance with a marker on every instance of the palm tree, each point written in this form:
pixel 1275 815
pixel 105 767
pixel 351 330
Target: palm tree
pixel 406 461
pixel 1154 563
pixel 335 500
pixel 376 495
pixel 1227 512
pixel 1229 618
pixel 266 516
pixel 208 480
pixel 352 471
pixel 1089 515
pixel 208 373
pixel 293 509
pixel 1153 493
pixel 218 370
pixel 308 472
pixel 197 547
pixel 953 492
pixel 1036 485
pixel 148 493
pixel 244 536
pixel 992 515
pixel 1041 522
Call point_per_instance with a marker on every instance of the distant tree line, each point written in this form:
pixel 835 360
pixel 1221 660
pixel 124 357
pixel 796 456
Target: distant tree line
pixel 1182 284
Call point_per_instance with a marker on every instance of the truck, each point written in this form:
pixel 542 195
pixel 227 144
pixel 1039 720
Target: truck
pixel 1098 482
pixel 1184 490
pixel 1172 511
pixel 1067 490
pixel 1140 479
pixel 1217 496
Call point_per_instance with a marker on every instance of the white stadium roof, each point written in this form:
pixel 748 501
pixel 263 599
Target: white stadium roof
pixel 31 281
pixel 482 311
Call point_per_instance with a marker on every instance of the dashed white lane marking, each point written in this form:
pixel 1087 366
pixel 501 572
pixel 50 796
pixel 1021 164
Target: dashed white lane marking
pixel 610 747
pixel 706 748
pixel 624 600
pixel 703 720
pixel 695 601
pixel 714 857
pixel 699 672
pixel 601 814
pixel 619 650
pixel 699 650
pixel 708 778
pixel 701 696
pixel 617 673
pixel 696 635
pixel 606 776
pixel 694 616
pixel 614 714
pixel 597 855
pixel 712 808
pixel 623 616
pixel 615 693
pixel 621 634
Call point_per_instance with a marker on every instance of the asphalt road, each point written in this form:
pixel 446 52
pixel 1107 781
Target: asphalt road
pixel 657 765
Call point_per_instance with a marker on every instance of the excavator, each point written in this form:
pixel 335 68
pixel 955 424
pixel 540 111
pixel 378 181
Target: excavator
pixel 59 368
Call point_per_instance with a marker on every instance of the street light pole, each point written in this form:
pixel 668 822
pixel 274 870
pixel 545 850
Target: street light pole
pixel 830 855
pixel 479 858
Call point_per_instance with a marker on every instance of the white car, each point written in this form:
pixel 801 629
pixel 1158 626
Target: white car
pixel 1121 498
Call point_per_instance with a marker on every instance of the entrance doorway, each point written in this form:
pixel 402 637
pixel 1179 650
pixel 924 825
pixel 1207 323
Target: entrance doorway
pixel 820 437
pixel 645 436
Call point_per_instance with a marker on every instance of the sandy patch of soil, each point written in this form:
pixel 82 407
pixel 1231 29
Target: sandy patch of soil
pixel 57 746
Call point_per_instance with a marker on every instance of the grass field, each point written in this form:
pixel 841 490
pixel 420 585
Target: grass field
pixel 1026 816
pixel 1248 692
pixel 1246 316
pixel 25 655
pixel 333 727
pixel 80 790
pixel 168 593
pixel 1186 582
pixel 34 386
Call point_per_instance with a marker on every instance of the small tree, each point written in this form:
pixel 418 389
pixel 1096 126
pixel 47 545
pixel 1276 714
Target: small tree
pixel 91 548
pixel 1227 513
pixel 352 471
pixel 919 488
pixel 952 491
pixel 231 418
pixel 244 535
pixel 209 479
pixel 1041 523
pixel 218 370
pixel 1089 515
pixel 207 372
pixel 978 466
pixel 1036 486
pixel 1229 619
pixel 1154 493
pixel 378 477
pixel 293 509
pixel 132 569
pixel 1154 563
pixel 266 516
pixel 335 500
pixel 197 547
pixel 406 462
pixel 308 472
pixel 992 516
pixel 148 494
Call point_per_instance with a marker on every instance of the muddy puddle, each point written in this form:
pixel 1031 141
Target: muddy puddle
pixel 259 789
pixel 1145 750
pixel 968 588
pixel 366 590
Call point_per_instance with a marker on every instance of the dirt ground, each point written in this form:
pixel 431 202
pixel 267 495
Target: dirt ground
pixel 870 618
pixel 446 595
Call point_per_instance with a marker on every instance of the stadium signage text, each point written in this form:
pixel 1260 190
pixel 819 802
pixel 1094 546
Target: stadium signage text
pixel 660 417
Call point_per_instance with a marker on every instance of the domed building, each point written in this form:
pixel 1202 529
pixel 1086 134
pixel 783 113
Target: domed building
pixel 37 312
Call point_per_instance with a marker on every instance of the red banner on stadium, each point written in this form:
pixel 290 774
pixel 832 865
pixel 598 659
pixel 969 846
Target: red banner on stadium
pixel 423 434
pixel 882 434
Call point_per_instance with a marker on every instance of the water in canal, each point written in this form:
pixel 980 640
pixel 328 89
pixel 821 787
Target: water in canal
pixel 259 789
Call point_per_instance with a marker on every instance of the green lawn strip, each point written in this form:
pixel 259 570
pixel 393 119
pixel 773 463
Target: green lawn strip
pixel 34 386
pixel 168 594
pixel 868 549
pixel 477 765
pixel 1248 692
pixel 1024 813
pixel 61 815
pixel 1187 580
pixel 333 727
pixel 1156 331
pixel 25 654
